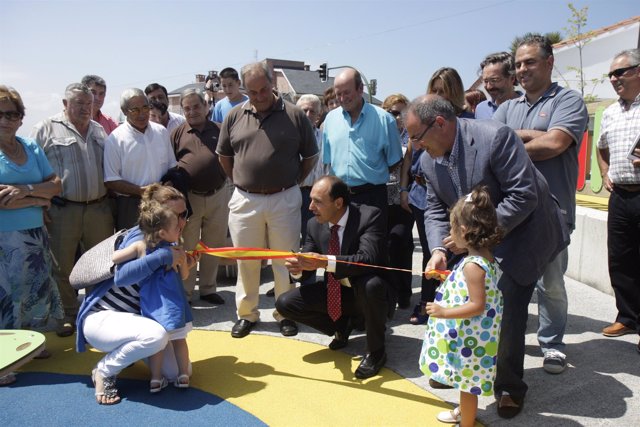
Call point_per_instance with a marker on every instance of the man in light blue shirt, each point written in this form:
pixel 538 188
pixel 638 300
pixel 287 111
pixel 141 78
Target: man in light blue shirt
pixel 230 83
pixel 360 142
pixel 498 77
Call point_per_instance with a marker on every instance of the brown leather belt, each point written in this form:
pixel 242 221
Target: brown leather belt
pixel 264 191
pixel 90 202
pixel 207 193
pixel 632 188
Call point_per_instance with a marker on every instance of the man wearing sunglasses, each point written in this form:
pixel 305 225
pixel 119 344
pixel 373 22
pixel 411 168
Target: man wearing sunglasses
pixel 463 154
pixel 136 154
pixel 620 166
pixel 551 121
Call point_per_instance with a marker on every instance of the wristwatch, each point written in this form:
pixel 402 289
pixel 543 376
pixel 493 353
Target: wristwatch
pixel 30 187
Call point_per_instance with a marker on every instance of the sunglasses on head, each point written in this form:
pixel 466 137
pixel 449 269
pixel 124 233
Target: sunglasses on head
pixel 620 71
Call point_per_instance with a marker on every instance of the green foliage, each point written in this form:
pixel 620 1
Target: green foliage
pixel 575 33
pixel 554 37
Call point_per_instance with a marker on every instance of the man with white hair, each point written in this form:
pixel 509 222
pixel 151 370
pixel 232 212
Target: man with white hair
pixel 138 153
pixel 619 161
pixel 74 146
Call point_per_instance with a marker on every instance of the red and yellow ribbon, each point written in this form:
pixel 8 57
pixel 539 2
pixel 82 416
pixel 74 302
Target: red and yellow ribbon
pixel 263 253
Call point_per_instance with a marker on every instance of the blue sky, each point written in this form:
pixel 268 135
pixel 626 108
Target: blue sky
pixel 44 45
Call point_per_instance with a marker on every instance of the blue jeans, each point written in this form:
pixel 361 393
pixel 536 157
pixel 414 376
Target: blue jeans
pixel 510 369
pixel 552 304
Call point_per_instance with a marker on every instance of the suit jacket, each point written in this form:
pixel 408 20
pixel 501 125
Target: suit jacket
pixel 492 154
pixel 363 241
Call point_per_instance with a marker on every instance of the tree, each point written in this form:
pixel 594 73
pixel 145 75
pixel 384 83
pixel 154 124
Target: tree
pixel 577 23
pixel 554 37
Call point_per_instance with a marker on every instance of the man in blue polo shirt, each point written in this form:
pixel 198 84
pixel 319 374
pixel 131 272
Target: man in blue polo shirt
pixel 360 142
pixel 550 120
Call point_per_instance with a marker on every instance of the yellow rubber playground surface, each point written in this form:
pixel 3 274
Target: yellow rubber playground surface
pixel 280 381
pixel 593 202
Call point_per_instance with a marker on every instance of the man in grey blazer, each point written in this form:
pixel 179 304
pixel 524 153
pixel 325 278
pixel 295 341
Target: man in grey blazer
pixel 462 155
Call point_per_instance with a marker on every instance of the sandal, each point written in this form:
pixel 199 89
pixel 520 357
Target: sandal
pixel 450 417
pixel 156 386
pixel 109 389
pixel 182 381
pixel 8 379
pixel 419 315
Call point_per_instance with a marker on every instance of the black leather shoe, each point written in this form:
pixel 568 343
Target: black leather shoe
pixel 242 328
pixel 509 406
pixel 370 366
pixel 288 328
pixel 341 339
pixel 66 329
pixel 212 299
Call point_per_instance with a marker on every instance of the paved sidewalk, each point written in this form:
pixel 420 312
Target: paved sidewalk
pixel 599 388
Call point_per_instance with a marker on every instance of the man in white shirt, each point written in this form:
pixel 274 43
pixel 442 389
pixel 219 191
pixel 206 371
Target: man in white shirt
pixel 136 154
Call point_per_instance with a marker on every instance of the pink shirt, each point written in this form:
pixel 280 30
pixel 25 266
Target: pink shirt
pixel 107 122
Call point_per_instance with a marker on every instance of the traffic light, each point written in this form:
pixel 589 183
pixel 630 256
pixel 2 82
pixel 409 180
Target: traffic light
pixel 323 72
pixel 373 86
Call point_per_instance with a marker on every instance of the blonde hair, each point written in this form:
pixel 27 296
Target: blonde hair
pixel 161 194
pixel 153 218
pixel 476 213
pixel 452 85
pixel 396 98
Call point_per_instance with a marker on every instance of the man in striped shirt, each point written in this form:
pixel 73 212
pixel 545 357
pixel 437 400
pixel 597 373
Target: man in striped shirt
pixel 74 146
pixel 620 166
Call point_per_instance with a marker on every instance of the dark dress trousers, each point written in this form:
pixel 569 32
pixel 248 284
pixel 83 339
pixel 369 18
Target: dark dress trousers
pixel 370 294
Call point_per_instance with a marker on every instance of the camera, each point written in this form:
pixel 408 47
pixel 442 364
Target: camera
pixel 212 82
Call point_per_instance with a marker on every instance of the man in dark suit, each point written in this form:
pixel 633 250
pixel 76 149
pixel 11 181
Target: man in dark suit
pixel 462 155
pixel 359 238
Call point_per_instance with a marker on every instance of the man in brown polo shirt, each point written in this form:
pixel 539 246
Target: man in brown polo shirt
pixel 267 146
pixel 194 144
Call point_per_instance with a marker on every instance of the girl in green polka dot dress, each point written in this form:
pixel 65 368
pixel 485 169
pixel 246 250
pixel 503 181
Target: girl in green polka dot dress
pixel 461 341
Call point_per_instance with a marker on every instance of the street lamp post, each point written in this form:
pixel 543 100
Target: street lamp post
pixel 323 72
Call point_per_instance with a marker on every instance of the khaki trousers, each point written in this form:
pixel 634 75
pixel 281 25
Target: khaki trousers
pixel 208 223
pixel 70 225
pixel 253 220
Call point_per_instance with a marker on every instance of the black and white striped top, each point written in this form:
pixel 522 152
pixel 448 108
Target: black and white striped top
pixel 124 299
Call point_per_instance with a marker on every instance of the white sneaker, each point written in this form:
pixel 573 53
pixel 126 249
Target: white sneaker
pixel 554 362
pixel 451 417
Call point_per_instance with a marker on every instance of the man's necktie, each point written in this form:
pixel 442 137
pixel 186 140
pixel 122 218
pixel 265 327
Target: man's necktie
pixel 334 306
